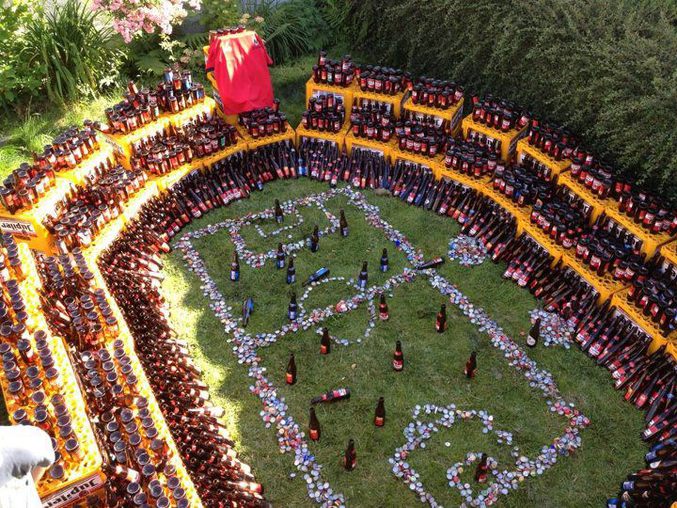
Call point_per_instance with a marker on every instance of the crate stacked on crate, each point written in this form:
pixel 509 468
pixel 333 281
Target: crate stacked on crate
pixel 33 191
pixel 145 113
pixel 437 99
pixel 547 147
pixel 40 387
pixel 498 123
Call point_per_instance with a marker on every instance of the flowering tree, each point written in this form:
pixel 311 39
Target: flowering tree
pixel 132 17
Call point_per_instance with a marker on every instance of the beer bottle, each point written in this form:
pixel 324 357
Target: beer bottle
pixel 350 456
pixel 380 414
pixel 291 272
pixel 362 277
pixel 279 214
pixel 292 311
pixel 471 365
pixel 343 224
pixel 317 275
pixel 441 321
pixel 433 263
pixel 247 310
pixel 325 343
pixel 383 308
pixel 384 260
pixel 332 396
pixel 291 370
pixel 280 257
pixel 314 242
pixel 398 357
pixel 313 426
pixel 481 470
pixel 534 333
pixel 235 268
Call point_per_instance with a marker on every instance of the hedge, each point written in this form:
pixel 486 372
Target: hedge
pixel 605 68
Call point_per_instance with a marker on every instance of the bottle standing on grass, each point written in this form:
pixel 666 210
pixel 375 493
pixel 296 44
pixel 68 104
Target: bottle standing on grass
pixel 350 456
pixel 383 308
pixel 291 370
pixel 380 414
pixel 279 214
pixel 313 426
pixel 325 342
pixel 280 257
pixel 384 260
pixel 315 240
pixel 534 333
pixel 343 224
pixel 291 272
pixel 398 357
pixel 293 309
pixel 235 268
pixel 363 277
pixel 441 321
pixel 481 469
pixel 471 365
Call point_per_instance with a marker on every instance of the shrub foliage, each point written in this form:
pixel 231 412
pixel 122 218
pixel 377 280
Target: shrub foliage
pixel 605 68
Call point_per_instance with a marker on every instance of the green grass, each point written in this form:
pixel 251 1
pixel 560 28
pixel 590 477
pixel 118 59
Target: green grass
pixel 433 373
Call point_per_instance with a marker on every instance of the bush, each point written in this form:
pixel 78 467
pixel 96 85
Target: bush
pixel 605 68
pixel 18 78
pixel 290 29
pixel 75 52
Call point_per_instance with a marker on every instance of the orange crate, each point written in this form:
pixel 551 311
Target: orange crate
pixel 508 139
pixel 620 300
pixel 606 286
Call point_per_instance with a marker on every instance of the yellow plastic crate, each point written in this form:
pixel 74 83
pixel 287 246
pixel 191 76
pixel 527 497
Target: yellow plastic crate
pixel 474 183
pixel 453 115
pixel 650 242
pixel 434 163
pixel 266 140
pixel 669 252
pixel 27 227
pixel 620 300
pixel 556 167
pixel 78 174
pixel 346 92
pixel 122 143
pixel 387 149
pixel 606 286
pixel 395 100
pixel 338 138
pixel 83 477
pixel 598 205
pixel 508 139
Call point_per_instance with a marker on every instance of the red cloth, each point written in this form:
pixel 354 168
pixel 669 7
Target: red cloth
pixel 240 63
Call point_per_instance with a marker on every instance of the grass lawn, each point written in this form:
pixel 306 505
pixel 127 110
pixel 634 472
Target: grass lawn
pixel 433 374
